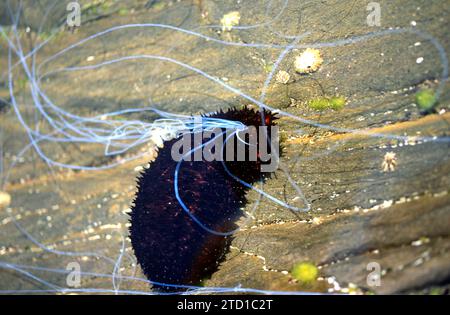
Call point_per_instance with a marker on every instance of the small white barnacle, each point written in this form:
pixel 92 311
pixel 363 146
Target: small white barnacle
pixel 229 20
pixel 308 61
pixel 282 77
pixel 389 162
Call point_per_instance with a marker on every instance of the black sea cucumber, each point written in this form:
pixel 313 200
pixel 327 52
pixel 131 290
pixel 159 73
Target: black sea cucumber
pixel 170 247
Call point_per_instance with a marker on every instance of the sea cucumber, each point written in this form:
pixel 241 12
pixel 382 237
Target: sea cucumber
pixel 173 250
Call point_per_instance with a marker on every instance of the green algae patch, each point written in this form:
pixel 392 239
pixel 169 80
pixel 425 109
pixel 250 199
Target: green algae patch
pixel 305 272
pixel 123 11
pixel 426 99
pixel 325 103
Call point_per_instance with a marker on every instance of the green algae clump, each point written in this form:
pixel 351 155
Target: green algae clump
pixel 338 102
pixel 426 99
pixel 324 103
pixel 305 272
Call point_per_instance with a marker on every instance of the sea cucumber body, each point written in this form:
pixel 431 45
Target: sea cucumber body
pixel 170 247
pixel 173 250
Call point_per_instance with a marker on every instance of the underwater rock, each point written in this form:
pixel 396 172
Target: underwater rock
pixel 348 177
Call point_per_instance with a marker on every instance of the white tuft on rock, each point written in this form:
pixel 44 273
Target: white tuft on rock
pixel 282 77
pixel 229 20
pixel 5 199
pixel 308 61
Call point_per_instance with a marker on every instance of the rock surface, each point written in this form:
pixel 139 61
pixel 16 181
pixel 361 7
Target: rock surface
pixel 361 219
